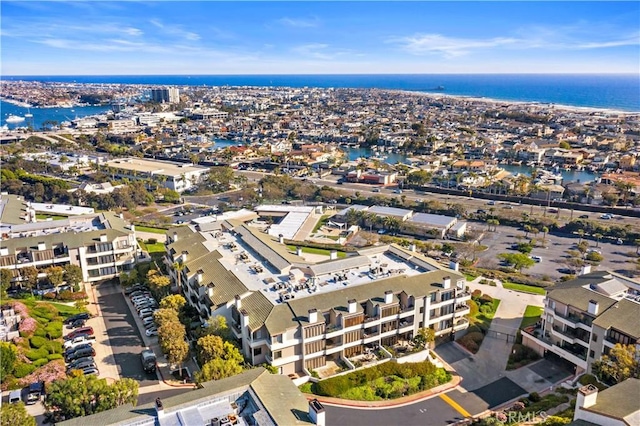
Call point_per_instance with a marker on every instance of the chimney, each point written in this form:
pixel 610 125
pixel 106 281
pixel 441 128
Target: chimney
pixel 42 246
pixel 352 306
pixel 446 282
pixel 159 408
pixel 593 307
pixel 103 238
pixel 4 251
pixel 388 297
pixel 184 256
pixel 455 266
pixel 238 302
pixel 245 317
pixel 299 251
pixel 333 254
pixel 199 276
pixel 586 269
pixel 133 228
pixel 281 238
pixel 587 397
pixel 412 247
pixel 175 236
pixel 316 412
pixel 313 316
pixel 121 216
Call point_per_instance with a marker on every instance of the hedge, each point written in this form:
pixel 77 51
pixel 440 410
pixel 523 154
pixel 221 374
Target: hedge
pixel 71 295
pixel 37 342
pixel 51 357
pixel 40 362
pixel 35 354
pixel 23 369
pixel 53 347
pixel 336 386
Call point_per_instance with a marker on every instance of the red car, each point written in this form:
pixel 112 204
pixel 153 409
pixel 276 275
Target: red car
pixel 79 331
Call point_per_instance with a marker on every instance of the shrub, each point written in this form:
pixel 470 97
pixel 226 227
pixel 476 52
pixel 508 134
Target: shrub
pixel 40 332
pixel 534 397
pixel 473 308
pixel 35 354
pixel 486 299
pixel 476 294
pixel 37 342
pixel 53 347
pixel 27 327
pixel 71 296
pixel 23 369
pixel 152 241
pixel 51 357
pixel 40 362
pixel 49 296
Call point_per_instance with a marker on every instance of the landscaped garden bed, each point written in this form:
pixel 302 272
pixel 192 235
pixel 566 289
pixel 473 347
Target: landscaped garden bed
pixel 38 350
pixel 482 309
pixel 384 381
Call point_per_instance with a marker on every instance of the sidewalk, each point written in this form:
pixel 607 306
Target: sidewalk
pixel 105 360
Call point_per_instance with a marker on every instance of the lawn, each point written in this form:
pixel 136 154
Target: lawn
pixel 524 288
pixel 150 229
pixel 483 310
pixel 41 216
pixel 323 221
pixel 313 250
pixel 152 248
pixel 531 316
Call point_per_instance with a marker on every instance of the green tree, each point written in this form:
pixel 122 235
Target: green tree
pixel 8 356
pixel 217 326
pixel 5 282
pixel 73 275
pixel 178 268
pixel 424 336
pixel 171 337
pixel 621 363
pixel 166 316
pixel 55 275
pixel 16 414
pixel 29 277
pixel 598 236
pixel 160 283
pixel 595 257
pixel 173 301
pixel 86 395
pixel 519 261
pixel 217 369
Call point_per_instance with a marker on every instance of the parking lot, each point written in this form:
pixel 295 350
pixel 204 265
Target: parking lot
pixel 553 255
pixel 124 336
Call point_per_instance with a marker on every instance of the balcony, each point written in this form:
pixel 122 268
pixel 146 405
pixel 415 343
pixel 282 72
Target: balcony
pixel 236 327
pixel 571 335
pixel 330 328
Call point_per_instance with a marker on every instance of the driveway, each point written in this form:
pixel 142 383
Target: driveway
pixel 126 342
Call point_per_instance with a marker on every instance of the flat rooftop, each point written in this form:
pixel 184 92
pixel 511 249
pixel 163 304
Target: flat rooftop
pixel 316 274
pixel 155 167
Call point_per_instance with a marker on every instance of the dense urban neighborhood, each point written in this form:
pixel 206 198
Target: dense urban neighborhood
pixel 281 256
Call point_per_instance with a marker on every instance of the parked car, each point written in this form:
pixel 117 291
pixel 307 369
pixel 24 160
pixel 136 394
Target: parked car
pixel 148 358
pixel 76 362
pixel 138 293
pixel 91 371
pixel 81 340
pixel 147 320
pixel 150 325
pixel 82 366
pixel 583 216
pixel 606 216
pixel 151 332
pixel 77 348
pixel 36 390
pixel 140 297
pixel 79 331
pixel 491 203
pixel 145 312
pixel 15 396
pixel 137 287
pixel 81 354
pixel 536 259
pixel 78 323
pixel 72 318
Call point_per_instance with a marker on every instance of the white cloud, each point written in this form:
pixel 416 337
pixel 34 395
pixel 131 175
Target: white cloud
pixel 175 30
pixel 421 44
pixel 133 31
pixel 299 22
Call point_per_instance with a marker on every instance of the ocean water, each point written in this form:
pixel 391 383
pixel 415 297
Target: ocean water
pixel 40 115
pixel 606 91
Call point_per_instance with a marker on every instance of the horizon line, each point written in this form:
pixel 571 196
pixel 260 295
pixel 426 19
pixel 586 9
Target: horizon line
pixel 323 74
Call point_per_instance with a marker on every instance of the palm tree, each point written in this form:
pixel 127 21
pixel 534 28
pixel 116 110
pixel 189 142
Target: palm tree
pixel 637 243
pixel 598 236
pixel 581 235
pixel 545 231
pixel 178 267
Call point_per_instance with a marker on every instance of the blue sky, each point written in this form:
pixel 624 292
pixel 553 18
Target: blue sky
pixel 106 37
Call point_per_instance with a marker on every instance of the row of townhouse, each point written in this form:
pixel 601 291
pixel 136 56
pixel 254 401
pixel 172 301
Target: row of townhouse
pixel 102 244
pixel 585 317
pixel 300 315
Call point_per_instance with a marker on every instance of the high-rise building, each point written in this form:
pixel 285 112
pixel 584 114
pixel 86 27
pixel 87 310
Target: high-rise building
pixel 166 94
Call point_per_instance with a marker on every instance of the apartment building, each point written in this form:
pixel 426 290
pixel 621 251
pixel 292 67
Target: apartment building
pixel 585 317
pixel 166 94
pixel 101 244
pixel 615 406
pixel 300 314
pixel 176 176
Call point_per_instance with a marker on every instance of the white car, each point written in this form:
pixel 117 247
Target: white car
pixel 152 332
pixel 79 341
pixel 145 312
pixel 536 259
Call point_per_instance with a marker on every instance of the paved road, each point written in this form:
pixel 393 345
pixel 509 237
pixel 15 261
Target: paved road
pixel 126 342
pixel 431 412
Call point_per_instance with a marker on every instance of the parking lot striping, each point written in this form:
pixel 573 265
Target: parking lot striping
pixel 455 405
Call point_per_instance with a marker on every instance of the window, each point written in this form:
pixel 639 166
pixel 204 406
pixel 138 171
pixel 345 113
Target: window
pixel 277 355
pixel 594 337
pixel 422 310
pixel 277 338
pixel 592 354
pixel 421 324
pixel 257 351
